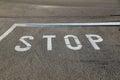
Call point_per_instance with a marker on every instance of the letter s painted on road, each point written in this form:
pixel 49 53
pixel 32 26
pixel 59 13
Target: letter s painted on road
pixel 28 45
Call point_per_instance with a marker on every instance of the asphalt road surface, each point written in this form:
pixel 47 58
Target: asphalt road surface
pixel 98 3
pixel 26 53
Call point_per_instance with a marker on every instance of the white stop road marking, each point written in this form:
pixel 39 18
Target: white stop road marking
pixel 66 38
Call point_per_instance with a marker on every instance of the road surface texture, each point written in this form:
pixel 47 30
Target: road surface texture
pixel 60 62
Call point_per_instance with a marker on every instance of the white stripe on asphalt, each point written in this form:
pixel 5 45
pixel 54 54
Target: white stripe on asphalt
pixel 55 25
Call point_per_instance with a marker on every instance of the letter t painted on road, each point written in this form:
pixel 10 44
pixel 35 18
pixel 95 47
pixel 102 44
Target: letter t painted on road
pixel 49 41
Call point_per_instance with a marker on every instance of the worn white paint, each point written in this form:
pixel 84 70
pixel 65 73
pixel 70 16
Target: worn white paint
pixel 7 32
pixel 28 25
pixel 77 41
pixel 28 45
pixel 94 41
pixel 49 41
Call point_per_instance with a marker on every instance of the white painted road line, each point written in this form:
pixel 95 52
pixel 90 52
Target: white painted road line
pixel 69 24
pixel 55 25
pixel 7 32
